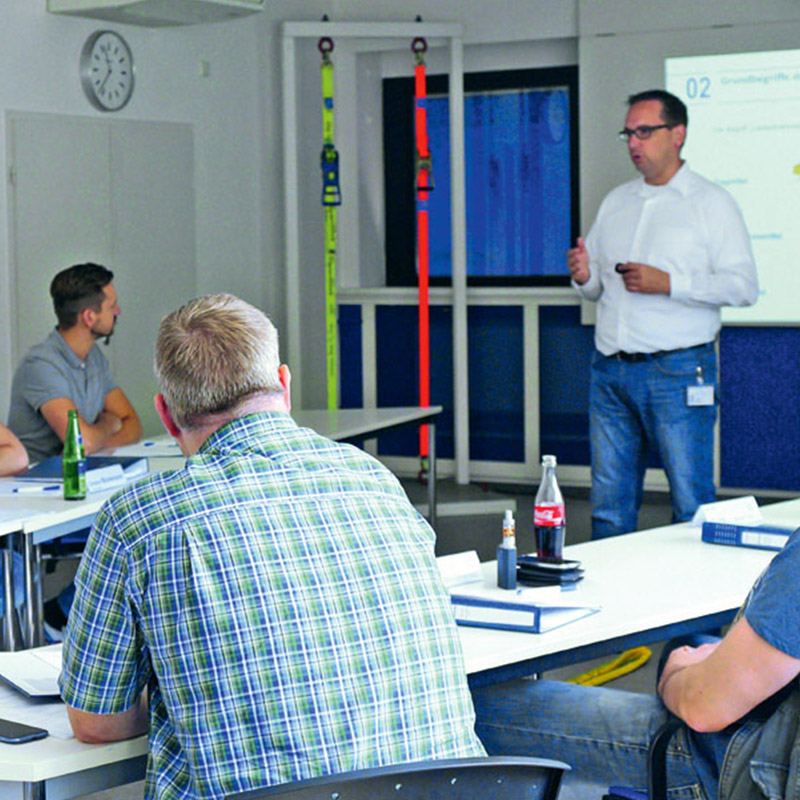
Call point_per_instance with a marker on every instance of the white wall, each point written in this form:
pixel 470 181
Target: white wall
pixel 621 53
pixel 39 73
pixel 236 111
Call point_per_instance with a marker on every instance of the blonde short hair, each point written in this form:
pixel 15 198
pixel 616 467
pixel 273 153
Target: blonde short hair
pixel 212 354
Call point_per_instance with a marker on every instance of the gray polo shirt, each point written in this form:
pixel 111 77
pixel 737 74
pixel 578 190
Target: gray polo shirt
pixel 51 370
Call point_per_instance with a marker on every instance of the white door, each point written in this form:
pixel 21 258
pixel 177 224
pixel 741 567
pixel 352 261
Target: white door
pixel 119 193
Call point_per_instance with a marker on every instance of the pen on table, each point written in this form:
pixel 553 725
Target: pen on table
pixel 35 489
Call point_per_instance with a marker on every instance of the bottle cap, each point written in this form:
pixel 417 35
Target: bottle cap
pixel 548 461
pixel 508 519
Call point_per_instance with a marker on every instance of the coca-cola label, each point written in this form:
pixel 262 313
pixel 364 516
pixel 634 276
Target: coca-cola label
pixel 549 516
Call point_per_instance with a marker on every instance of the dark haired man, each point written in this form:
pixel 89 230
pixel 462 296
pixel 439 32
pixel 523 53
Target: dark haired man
pixel 67 371
pixel 666 251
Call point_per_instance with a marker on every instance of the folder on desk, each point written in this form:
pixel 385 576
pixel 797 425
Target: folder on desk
pixel 762 535
pixel 515 614
pixel 33 672
pixel 102 472
pixel 483 605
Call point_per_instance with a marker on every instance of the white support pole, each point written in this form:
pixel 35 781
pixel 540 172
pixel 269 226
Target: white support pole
pixel 458 225
pixel 452 33
pixel 291 223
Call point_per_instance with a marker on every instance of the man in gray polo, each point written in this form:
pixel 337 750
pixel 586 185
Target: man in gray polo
pixel 68 371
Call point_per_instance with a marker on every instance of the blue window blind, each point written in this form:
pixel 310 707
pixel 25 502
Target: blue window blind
pixel 517 180
pixel 521 142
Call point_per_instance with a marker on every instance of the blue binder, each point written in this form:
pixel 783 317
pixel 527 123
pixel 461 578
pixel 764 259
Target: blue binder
pixel 763 536
pixel 50 468
pixel 515 615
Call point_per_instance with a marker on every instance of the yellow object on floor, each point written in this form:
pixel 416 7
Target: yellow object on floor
pixel 621 665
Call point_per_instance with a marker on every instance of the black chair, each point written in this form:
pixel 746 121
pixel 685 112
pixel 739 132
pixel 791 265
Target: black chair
pixel 493 778
pixel 656 767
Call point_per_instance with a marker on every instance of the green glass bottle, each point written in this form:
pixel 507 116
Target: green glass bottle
pixel 73 460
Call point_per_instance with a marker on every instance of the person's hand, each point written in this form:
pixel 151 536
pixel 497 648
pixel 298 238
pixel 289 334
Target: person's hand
pixel 683 657
pixel 644 278
pixel 110 422
pixel 578 263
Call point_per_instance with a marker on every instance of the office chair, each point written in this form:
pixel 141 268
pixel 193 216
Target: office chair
pixel 656 767
pixel 493 778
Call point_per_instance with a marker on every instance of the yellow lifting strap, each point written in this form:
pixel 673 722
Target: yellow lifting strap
pixel 621 665
pixel 331 198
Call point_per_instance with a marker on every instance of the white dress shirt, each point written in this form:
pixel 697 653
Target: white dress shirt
pixel 692 229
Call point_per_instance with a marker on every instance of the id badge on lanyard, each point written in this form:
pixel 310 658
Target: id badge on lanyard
pixel 700 393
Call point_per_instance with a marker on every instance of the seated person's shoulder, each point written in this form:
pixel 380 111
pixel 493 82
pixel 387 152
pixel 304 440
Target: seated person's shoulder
pixel 40 361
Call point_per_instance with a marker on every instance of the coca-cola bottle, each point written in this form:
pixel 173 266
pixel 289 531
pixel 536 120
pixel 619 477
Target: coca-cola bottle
pixel 549 519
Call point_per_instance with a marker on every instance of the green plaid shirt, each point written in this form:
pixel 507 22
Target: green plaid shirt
pixel 280 599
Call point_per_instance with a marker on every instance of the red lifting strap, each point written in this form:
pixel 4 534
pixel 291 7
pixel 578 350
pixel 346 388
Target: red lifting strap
pixel 423 184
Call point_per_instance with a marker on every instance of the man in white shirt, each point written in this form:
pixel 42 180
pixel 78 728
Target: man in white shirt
pixel 666 251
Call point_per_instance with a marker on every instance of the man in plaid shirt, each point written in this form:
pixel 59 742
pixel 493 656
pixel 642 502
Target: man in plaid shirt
pixel 272 611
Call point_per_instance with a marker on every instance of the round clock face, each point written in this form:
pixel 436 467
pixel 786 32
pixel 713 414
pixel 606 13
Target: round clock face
pixel 107 70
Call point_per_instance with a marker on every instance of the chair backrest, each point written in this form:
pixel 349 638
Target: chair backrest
pixel 493 778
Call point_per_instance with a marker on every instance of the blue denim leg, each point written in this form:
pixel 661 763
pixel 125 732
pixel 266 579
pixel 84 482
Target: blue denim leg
pixel 684 434
pixel 619 445
pixel 603 734
pixel 638 405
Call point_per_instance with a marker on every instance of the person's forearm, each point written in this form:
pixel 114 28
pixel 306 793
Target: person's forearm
pixel 13 458
pixel 130 432
pixel 694 694
pixel 98 435
pixel 671 689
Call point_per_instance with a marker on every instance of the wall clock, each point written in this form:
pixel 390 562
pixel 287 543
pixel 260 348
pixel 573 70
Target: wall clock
pixel 106 70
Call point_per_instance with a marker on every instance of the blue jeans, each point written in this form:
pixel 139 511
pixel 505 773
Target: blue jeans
pixel 639 406
pixel 603 734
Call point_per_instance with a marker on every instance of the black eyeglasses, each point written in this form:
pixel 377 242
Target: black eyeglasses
pixel 640 132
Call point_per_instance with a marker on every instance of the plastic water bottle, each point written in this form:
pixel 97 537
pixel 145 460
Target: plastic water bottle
pixel 549 519
pixel 73 460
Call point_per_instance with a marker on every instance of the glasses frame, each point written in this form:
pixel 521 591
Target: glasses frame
pixel 641 132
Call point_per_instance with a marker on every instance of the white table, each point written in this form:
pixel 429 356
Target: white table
pixel 39 518
pixel 651 585
pixel 62 768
